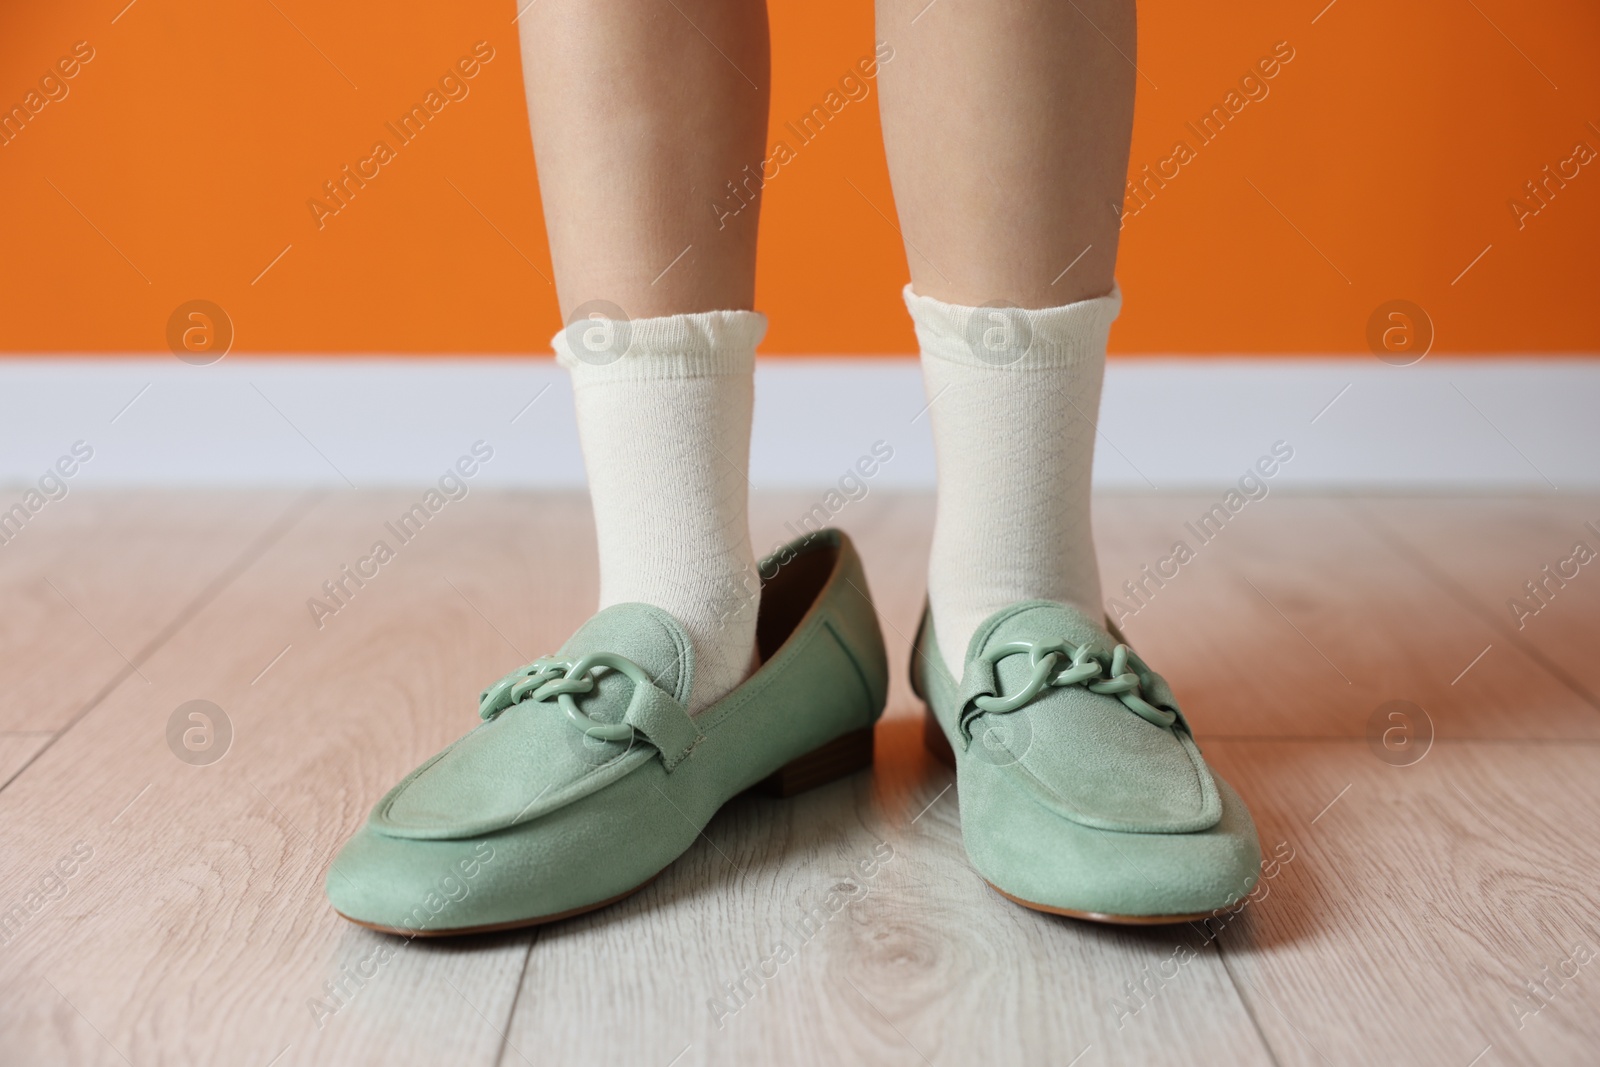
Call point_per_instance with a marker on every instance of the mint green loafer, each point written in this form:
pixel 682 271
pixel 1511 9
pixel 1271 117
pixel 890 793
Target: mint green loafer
pixel 587 776
pixel 1081 789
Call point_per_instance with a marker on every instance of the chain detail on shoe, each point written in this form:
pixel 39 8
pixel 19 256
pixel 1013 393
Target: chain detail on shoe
pixel 563 680
pixel 1060 663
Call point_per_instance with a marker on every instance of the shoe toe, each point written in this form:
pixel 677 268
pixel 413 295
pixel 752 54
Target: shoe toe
pixel 1040 857
pixel 563 862
pixel 419 887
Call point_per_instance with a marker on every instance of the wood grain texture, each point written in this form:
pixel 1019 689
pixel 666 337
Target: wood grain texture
pixel 1421 901
pixel 1486 553
pixel 17 748
pixel 93 582
pixel 1298 621
pixel 198 931
pixel 1417 901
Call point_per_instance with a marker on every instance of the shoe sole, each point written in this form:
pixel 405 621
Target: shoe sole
pixel 839 758
pixel 490 928
pixel 935 741
pixel 1111 919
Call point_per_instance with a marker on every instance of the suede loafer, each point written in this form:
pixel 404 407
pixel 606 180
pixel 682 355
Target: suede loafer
pixel 1082 791
pixel 587 777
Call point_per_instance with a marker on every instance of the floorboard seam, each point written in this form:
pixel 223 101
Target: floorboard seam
pixel 252 552
pixel 1249 1008
pixel 1470 602
pixel 516 996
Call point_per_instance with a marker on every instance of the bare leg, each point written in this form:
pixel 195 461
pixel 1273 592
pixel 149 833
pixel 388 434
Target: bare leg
pixel 642 111
pixel 1007 125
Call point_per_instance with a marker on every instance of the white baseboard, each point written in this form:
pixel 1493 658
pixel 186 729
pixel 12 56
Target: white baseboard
pixel 1169 424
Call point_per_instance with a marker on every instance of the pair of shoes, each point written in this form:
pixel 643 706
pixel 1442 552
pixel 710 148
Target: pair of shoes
pixel 1080 787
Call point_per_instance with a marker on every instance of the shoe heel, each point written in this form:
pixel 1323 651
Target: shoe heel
pixel 934 740
pixel 840 757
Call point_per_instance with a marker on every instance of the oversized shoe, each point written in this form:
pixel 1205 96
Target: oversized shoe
pixel 588 777
pixel 1081 789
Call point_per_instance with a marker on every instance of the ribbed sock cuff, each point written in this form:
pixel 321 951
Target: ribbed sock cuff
pixel 1003 338
pixel 704 344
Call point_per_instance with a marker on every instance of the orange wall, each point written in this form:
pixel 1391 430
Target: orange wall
pixel 1384 160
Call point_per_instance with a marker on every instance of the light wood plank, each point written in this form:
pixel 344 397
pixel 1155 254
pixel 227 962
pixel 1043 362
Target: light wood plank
pixel 1419 903
pixel 97 578
pixel 1488 549
pixel 199 932
pixel 17 748
pixel 1298 621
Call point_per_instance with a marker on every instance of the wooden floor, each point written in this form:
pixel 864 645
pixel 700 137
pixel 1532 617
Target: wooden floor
pixel 163 912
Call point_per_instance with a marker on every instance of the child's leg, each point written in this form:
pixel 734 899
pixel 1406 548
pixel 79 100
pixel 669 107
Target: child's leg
pixel 640 117
pixel 641 113
pixel 1007 126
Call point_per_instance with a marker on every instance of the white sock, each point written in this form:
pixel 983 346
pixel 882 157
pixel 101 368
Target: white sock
pixel 664 420
pixel 1015 397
